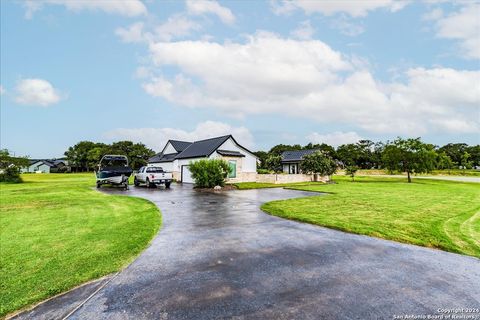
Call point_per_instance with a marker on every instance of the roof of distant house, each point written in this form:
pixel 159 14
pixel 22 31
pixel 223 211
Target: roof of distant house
pixel 296 155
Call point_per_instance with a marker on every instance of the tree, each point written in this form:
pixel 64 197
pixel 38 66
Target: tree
pixel 262 157
pixel 209 173
pixel 474 152
pixel 325 148
pixel 137 153
pixel 455 151
pixel 318 163
pixel 444 161
pixel 410 156
pixel 348 154
pixel 77 155
pixel 351 171
pixel 10 167
pixel 274 163
pixel 280 148
pixel 465 162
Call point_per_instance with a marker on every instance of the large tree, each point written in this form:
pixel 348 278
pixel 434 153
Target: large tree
pixel 455 151
pixel 77 155
pixel 10 166
pixel 280 148
pixel 410 156
pixel 318 163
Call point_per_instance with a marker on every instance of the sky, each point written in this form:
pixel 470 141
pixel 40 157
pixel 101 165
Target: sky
pixel 268 72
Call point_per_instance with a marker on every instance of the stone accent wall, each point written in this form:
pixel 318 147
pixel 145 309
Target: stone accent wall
pixel 288 178
pixel 241 176
pixel 176 175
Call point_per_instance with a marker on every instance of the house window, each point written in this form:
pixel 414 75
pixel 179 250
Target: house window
pixel 233 169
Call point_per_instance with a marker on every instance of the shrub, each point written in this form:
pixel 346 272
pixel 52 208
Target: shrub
pixel 351 171
pixel 209 173
pixel 11 174
pixel 264 171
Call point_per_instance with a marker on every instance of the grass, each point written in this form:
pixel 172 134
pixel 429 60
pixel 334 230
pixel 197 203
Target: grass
pixel 431 213
pixel 58 232
pixel 452 172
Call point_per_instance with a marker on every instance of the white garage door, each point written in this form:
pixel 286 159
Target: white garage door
pixel 186 175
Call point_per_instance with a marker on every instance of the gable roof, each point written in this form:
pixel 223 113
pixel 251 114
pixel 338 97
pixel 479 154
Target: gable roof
pixel 178 145
pixel 296 155
pixel 202 148
pixel 160 157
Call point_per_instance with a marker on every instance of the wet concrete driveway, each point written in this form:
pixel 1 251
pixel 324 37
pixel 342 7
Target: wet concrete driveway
pixel 218 256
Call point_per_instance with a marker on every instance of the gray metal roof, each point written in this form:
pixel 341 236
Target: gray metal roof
pixel 179 145
pixel 296 155
pixel 202 148
pixel 160 157
pixel 230 153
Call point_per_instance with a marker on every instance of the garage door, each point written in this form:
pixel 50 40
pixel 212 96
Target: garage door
pixel 186 175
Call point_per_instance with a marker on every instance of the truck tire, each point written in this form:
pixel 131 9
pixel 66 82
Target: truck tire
pixel 135 182
pixel 149 184
pixel 167 185
pixel 99 185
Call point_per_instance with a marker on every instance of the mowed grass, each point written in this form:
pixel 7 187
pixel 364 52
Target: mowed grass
pixel 56 232
pixel 431 213
pixel 263 185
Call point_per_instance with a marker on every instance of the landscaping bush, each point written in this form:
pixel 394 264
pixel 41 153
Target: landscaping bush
pixel 11 174
pixel 263 171
pixel 209 173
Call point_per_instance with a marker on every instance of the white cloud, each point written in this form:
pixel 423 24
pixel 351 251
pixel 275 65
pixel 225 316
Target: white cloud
pixel 353 8
pixel 129 8
pixel 156 138
pixel 200 7
pixel 304 31
pixel 36 92
pixel 176 26
pixel 346 27
pixel 434 14
pixel 463 26
pixel 268 74
pixel 131 34
pixel 335 139
pixel 2 90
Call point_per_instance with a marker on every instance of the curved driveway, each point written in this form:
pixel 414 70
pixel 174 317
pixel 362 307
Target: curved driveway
pixel 218 256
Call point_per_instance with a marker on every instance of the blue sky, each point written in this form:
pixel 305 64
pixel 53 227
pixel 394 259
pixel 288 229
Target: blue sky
pixel 268 72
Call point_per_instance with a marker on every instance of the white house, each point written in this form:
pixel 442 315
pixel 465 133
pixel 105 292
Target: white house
pixel 47 166
pixel 177 155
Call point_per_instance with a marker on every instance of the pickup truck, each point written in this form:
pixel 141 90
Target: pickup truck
pixel 152 177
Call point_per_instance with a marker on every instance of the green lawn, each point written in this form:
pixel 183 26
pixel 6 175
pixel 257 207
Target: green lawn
pixel 432 213
pixel 57 232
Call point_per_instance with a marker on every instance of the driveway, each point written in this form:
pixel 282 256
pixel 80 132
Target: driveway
pixel 218 256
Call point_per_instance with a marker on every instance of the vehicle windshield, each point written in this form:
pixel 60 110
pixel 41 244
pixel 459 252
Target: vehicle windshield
pixel 155 170
pixel 114 163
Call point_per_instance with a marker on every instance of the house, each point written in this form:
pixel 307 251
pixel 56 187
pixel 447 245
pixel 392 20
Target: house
pixel 291 160
pixel 177 155
pixel 47 166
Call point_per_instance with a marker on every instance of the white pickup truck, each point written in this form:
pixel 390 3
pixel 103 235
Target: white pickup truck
pixel 152 176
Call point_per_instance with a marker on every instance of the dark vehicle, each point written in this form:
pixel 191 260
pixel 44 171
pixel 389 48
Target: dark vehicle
pixel 114 170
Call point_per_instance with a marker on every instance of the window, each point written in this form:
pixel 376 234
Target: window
pixel 233 169
pixel 154 169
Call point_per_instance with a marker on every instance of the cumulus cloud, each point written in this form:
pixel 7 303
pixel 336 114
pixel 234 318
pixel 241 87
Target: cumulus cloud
pixel 201 7
pixel 463 26
pixel 270 74
pixel 353 8
pixel 335 139
pixel 129 8
pixel 36 92
pixel 175 27
pixel 156 138
pixel 304 31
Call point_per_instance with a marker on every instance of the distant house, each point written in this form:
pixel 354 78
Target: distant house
pixel 176 156
pixel 47 166
pixel 291 160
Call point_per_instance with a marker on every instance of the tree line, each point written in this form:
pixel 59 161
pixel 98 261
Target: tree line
pixel 85 155
pixel 403 155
